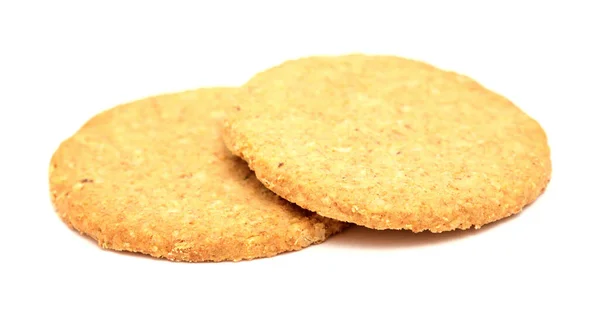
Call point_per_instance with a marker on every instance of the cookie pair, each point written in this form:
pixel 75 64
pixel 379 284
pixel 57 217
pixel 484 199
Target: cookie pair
pixel 380 141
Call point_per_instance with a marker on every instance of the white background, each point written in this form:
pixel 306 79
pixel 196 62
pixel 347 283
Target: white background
pixel 61 62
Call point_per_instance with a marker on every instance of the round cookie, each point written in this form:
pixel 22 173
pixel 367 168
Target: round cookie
pixel 154 177
pixel 388 143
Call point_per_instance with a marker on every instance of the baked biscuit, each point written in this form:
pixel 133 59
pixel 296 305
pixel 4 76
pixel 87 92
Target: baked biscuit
pixel 154 177
pixel 388 143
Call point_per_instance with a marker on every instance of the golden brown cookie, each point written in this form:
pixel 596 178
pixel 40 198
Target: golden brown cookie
pixel 388 143
pixel 153 176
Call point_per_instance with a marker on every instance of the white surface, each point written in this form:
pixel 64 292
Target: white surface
pixel 62 62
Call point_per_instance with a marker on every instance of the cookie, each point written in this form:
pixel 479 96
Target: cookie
pixel 154 177
pixel 388 143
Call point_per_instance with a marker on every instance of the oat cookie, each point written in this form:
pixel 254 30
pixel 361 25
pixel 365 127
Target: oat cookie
pixel 388 143
pixel 153 176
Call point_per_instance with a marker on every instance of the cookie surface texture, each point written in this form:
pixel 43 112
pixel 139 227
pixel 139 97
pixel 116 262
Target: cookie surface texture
pixel 388 143
pixel 153 176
